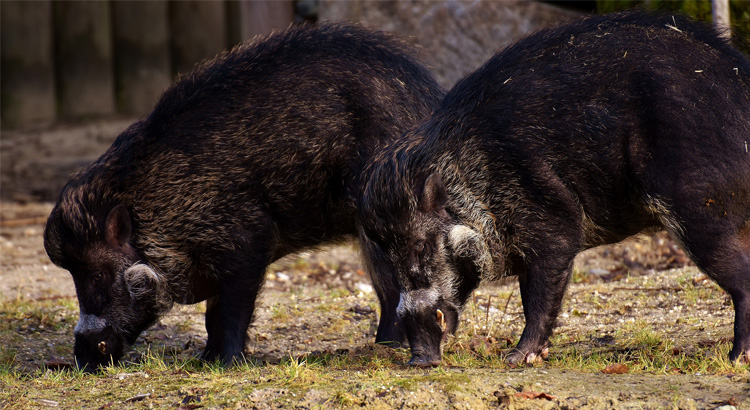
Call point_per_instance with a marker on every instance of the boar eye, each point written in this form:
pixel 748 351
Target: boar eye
pixel 421 250
pixel 98 277
pixel 419 247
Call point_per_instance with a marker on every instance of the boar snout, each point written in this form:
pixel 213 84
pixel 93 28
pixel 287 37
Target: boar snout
pixel 426 325
pixel 425 344
pixel 96 343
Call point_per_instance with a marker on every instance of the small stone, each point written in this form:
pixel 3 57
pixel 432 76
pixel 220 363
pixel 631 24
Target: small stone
pixel 282 277
pixel 364 287
pixel 599 272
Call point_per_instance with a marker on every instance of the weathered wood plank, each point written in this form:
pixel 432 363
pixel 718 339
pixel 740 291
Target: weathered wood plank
pixel 248 19
pixel 198 31
pixel 26 64
pixel 142 66
pixel 83 58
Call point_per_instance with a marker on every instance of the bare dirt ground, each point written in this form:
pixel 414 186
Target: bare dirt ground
pixel 322 303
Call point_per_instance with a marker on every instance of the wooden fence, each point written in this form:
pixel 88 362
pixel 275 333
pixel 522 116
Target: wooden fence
pixel 72 60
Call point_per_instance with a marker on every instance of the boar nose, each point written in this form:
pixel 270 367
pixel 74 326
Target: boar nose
pixel 95 343
pixel 425 337
pixel 89 324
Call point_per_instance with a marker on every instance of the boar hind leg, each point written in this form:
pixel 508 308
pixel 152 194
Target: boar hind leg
pixel 722 251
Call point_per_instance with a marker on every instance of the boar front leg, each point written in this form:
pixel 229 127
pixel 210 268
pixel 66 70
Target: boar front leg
pixel 214 329
pixel 542 284
pixel 229 314
pixel 721 249
pixel 389 332
pixel 228 317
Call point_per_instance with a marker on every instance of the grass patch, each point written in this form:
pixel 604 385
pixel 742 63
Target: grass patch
pixel 164 377
pixel 37 316
pixel 645 350
pixel 296 372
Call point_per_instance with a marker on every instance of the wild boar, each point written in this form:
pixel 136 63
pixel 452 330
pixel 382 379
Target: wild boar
pixel 255 154
pixel 575 136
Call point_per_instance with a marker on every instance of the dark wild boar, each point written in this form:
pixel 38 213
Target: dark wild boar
pixel 255 154
pixel 575 136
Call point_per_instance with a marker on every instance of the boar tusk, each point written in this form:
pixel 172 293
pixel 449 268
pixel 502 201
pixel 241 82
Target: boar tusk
pixel 441 319
pixel 102 346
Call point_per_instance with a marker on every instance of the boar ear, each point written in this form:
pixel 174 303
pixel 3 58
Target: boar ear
pixel 118 226
pixel 434 197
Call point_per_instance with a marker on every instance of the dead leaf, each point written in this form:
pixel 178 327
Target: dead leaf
pixel 502 398
pixel 481 343
pixel 534 395
pixel 732 401
pixel 123 376
pixel 508 341
pixel 138 398
pixel 617 368
pixel 58 364
pixel 702 280
pixel 191 398
pixel 713 342
pixel 106 406
pixel 189 406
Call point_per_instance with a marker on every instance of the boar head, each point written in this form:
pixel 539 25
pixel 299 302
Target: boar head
pixel 119 296
pixel 434 257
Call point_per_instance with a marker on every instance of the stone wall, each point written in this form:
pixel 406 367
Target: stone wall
pixel 455 36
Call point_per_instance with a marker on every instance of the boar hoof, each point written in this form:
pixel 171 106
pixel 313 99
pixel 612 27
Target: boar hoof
pixel 418 361
pixel 743 358
pixel 531 358
pixel 515 358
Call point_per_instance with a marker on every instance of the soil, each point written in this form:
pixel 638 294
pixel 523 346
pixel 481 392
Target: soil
pixel 321 302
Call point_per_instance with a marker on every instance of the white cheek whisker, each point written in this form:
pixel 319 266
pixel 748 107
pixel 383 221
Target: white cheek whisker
pixel 143 282
pixel 468 243
pixel 418 300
